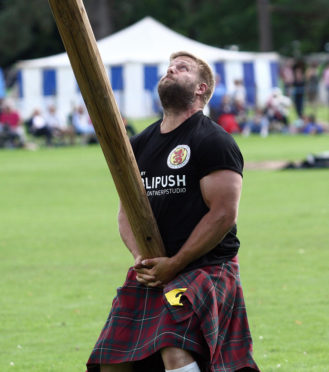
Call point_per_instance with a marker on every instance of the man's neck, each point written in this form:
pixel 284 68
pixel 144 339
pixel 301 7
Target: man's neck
pixel 172 120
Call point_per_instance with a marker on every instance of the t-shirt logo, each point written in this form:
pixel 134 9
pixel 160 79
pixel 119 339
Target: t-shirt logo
pixel 179 157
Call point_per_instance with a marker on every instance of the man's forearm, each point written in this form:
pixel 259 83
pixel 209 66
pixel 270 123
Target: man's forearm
pixel 209 232
pixel 205 236
pixel 126 233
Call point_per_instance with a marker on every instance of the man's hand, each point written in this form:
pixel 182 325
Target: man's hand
pixel 155 272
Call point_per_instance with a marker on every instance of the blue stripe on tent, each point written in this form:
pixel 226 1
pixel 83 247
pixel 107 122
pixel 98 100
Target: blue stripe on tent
pixel 2 85
pixel 117 77
pixel 274 66
pixel 150 77
pixel 19 78
pixel 249 82
pixel 220 70
pixel 49 82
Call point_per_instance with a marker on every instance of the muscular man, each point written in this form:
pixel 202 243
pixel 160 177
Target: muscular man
pixel 184 312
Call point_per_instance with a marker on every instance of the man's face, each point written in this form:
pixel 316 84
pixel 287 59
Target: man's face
pixel 177 88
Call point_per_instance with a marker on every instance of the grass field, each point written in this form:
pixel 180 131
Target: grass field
pixel 61 258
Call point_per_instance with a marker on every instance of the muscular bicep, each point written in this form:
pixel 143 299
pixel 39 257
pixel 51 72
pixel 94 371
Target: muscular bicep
pixel 221 192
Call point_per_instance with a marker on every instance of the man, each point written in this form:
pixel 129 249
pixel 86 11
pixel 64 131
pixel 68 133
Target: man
pixel 184 312
pixel 216 99
pixel 11 128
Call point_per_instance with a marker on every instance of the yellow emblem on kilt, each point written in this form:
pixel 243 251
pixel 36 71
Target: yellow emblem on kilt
pixel 173 297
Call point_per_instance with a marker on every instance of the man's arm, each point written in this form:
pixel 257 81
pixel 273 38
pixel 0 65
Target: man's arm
pixel 127 235
pixel 221 192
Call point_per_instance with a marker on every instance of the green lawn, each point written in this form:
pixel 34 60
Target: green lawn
pixel 61 257
pixel 281 147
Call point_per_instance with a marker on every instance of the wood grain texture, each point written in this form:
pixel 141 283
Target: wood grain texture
pixel 79 41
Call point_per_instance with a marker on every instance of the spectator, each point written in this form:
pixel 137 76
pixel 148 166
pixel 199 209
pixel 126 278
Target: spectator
pixel 312 82
pixel 82 125
pixel 239 94
pixel 227 115
pixel 258 124
pixel 39 128
pixel 287 77
pixel 299 87
pixel 311 126
pixel 277 110
pixel 58 125
pixel 297 125
pixel 326 80
pixel 11 129
pixel 216 99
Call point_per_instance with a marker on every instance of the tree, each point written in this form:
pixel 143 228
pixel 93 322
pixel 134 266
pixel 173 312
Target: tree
pixel 304 24
pixel 264 26
pixel 100 17
pixel 27 29
pixel 215 22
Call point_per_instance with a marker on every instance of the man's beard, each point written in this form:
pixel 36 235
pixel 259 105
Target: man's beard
pixel 176 97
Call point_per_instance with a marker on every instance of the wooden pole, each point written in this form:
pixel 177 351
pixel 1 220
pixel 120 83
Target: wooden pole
pixel 78 38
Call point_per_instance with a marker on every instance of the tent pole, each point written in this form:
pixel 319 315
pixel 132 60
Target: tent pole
pixel 78 38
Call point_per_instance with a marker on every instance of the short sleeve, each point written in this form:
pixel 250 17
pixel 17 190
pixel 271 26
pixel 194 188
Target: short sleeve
pixel 219 151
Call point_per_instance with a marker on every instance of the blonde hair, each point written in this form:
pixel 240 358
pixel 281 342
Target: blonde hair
pixel 205 72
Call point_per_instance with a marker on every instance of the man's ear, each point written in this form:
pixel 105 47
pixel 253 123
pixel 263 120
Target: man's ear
pixel 201 89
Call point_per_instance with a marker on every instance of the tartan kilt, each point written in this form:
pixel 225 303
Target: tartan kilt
pixel 212 323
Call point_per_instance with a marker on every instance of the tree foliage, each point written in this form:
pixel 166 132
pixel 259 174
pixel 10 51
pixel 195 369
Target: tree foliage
pixel 27 28
pixel 300 26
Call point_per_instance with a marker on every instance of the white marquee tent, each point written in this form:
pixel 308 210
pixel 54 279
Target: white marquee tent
pixel 135 58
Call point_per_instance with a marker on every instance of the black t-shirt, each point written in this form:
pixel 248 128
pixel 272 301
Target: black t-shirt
pixel 172 165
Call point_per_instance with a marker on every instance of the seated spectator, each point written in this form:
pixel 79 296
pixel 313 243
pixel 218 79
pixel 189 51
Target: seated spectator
pixel 239 94
pixel 227 116
pixel 216 99
pixel 227 106
pixel 258 124
pixel 229 123
pixel 241 113
pixel 297 125
pixel 311 126
pixel 58 125
pixel 277 110
pixel 82 125
pixel 11 130
pixel 38 126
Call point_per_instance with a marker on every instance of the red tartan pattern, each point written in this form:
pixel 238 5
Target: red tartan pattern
pixel 211 323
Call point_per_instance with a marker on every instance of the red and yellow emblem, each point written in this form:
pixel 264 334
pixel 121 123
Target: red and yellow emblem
pixel 179 157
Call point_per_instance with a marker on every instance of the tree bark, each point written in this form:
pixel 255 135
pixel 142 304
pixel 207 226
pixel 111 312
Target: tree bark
pixel 264 26
pixel 99 14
